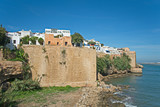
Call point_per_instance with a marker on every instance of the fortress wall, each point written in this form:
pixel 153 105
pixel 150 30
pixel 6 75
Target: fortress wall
pixel 61 66
pixel 132 55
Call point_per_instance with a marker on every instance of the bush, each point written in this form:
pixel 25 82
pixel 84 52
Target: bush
pixel 77 39
pixel 103 64
pixel 33 40
pixel 122 63
pixel 25 85
pixel 25 40
pixel 3 38
pixel 6 98
pixel 9 54
pixel 17 86
pixel 92 43
pixel 40 41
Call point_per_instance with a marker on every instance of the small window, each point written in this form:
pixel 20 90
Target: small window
pixel 57 43
pixel 49 42
pixel 14 41
pixel 65 43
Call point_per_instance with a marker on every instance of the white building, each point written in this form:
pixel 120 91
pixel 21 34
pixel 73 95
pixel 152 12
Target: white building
pixel 25 33
pixel 58 32
pixel 97 45
pixel 39 35
pixel 15 37
pixel 110 50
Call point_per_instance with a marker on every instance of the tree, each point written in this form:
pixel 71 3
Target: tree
pixel 77 38
pixel 103 64
pixel 102 44
pixel 40 40
pixel 122 63
pixel 92 43
pixel 33 40
pixel 3 38
pixel 25 40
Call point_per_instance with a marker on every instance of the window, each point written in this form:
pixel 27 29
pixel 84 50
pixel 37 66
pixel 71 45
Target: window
pixel 14 41
pixel 65 43
pixel 49 42
pixel 57 43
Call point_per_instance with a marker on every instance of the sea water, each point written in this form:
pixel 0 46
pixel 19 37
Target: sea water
pixel 144 91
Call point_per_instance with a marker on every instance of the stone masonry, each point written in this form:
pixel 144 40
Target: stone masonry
pixel 61 66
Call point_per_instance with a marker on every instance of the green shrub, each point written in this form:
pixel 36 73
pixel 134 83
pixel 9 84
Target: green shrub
pixel 103 64
pixel 33 40
pixel 6 98
pixel 40 41
pixel 77 39
pixel 9 54
pixel 25 40
pixel 122 63
pixel 102 44
pixel 25 85
pixel 17 87
pixel 92 43
pixel 3 38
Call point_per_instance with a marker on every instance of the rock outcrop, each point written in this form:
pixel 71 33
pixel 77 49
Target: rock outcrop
pixel 10 70
pixel 98 96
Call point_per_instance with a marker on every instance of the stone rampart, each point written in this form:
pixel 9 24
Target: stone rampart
pixel 61 66
pixel 132 56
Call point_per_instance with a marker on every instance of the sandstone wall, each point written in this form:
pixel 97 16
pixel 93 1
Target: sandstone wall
pixel 60 66
pixel 132 55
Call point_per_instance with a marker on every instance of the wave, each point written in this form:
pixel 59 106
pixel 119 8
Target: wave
pixel 127 101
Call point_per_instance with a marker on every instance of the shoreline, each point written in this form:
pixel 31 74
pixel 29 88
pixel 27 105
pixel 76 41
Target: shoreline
pixel 113 76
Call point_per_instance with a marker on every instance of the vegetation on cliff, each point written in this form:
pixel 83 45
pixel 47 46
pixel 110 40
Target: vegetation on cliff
pixel 122 63
pixel 104 64
pixel 22 82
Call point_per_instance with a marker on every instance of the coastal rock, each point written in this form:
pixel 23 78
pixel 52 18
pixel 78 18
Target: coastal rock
pixel 10 70
pixel 136 70
pixel 100 77
pixel 140 66
pixel 97 96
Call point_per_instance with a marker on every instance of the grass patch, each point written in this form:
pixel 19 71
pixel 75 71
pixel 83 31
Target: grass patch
pixel 16 59
pixel 40 96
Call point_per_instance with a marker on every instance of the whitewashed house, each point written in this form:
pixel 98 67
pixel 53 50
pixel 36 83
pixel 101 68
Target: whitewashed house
pixel 110 50
pixel 97 45
pixel 58 32
pixel 15 37
pixel 39 35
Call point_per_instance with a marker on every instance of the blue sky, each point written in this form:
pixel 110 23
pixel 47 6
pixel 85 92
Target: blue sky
pixel 118 23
